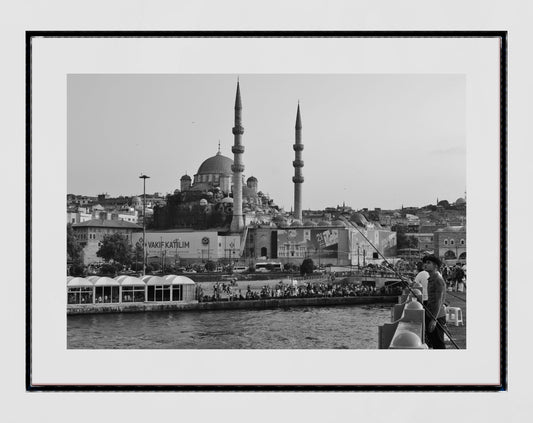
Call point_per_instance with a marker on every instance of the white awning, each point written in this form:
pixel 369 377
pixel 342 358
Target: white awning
pixel 77 282
pixel 179 280
pixel 126 280
pixel 105 281
pixel 152 280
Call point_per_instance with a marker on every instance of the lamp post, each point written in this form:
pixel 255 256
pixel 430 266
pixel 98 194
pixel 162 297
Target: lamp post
pixel 144 178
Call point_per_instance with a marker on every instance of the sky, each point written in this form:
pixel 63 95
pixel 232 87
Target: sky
pixel 382 140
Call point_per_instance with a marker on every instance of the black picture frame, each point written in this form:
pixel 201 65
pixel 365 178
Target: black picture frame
pixel 501 35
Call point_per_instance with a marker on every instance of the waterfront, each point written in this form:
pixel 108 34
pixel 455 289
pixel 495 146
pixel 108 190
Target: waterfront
pixel 341 327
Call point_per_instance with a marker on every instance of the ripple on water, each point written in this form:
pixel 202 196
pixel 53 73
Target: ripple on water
pixel 344 327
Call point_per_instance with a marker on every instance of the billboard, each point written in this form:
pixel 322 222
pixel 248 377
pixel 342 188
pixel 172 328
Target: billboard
pixel 299 242
pixel 203 245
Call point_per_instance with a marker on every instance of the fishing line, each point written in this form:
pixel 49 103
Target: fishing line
pixel 406 283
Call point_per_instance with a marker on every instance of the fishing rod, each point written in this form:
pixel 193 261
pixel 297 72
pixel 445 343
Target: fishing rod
pixel 401 277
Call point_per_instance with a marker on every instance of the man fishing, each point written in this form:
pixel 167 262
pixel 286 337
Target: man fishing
pixel 435 304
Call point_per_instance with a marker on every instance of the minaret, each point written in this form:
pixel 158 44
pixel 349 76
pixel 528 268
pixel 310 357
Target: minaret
pixel 237 222
pixel 298 163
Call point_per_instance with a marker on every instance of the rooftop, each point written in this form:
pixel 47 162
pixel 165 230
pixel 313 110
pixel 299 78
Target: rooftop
pixel 99 223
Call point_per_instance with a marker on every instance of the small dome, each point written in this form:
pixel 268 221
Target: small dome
pixel 227 200
pixel 203 202
pixel 309 223
pixel 415 305
pixel 460 201
pixel 406 340
pixel 296 222
pixel 216 165
pixel 324 223
pixel 185 178
pixel 176 191
pixel 251 179
pixel 338 223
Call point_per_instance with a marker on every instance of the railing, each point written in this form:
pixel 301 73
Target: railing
pixel 407 327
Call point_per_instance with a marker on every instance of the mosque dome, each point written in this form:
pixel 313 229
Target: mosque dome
pixel 309 223
pixel 296 222
pixel 217 164
pixel 227 200
pixel 185 178
pixel 460 200
pixel 176 191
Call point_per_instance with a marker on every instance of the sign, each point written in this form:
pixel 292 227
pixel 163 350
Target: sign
pixel 202 245
pixel 301 242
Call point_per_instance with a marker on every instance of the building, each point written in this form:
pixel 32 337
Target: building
pixel 450 243
pixel 425 242
pixel 78 215
pixel 89 234
pixel 220 215
pixel 179 247
pixel 328 242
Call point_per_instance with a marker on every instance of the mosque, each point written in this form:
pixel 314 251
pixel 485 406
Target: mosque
pixel 218 215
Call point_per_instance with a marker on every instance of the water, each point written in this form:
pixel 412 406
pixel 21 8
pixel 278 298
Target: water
pixel 340 327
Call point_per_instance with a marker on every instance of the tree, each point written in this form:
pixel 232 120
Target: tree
pixel 73 248
pixel 115 247
pixel 405 241
pixel 444 203
pixel 307 267
pixel 210 266
pixel 108 269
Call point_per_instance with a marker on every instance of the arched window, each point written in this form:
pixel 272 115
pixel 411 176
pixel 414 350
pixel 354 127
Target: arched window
pixel 462 256
pixel 462 242
pixel 445 242
pixel 452 242
pixel 449 255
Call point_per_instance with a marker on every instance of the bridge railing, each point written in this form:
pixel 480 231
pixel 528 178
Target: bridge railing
pixel 407 327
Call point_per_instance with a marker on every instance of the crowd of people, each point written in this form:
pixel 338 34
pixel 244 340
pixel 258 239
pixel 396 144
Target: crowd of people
pixel 455 277
pixel 228 292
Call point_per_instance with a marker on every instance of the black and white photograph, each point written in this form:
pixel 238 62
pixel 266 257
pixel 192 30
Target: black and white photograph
pixel 266 210
pixel 277 211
